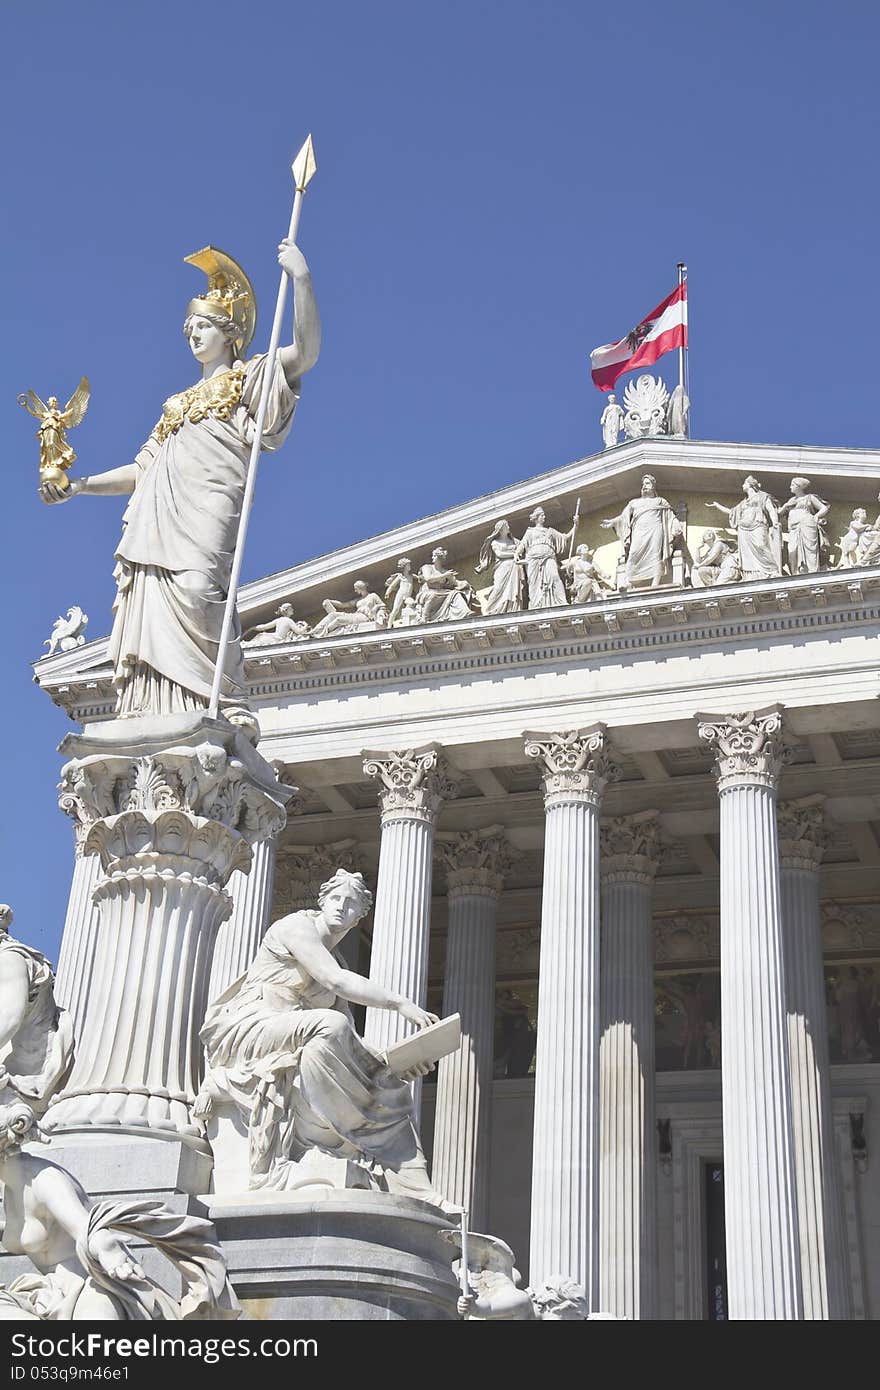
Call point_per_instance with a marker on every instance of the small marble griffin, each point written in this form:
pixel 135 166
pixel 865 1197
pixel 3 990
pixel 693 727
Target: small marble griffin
pixel 67 633
pixel 56 455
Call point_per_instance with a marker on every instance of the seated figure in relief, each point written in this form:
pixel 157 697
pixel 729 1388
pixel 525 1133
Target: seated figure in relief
pixel 281 1046
pixel 85 1270
pixel 443 597
pixel 717 562
pixel 36 1035
pixel 363 613
pixel 282 628
pixel 585 578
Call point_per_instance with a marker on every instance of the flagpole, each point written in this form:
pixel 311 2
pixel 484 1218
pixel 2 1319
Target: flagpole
pixel 682 371
pixel 303 169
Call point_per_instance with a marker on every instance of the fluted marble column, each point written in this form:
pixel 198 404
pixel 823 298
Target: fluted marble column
pixel 299 874
pixel 802 841
pixel 628 1131
pixel 77 954
pixel 412 787
pixel 565 1159
pixel 763 1257
pixel 476 862
pixel 240 935
pixel 170 807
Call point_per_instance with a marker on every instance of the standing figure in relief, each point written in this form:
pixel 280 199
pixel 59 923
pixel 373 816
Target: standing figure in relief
pixel 852 543
pixel 756 522
pixel 187 483
pixel 443 597
pixel 807 541
pixel 505 594
pixel 869 551
pixel 282 628
pixel 586 580
pixel 611 422
pixel 363 613
pixel 678 413
pixel 36 1036
pixel 402 585
pixel 717 562
pixel 85 1269
pixel 648 530
pixel 280 1043
pixel 538 550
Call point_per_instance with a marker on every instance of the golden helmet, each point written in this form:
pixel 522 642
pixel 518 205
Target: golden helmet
pixel 229 292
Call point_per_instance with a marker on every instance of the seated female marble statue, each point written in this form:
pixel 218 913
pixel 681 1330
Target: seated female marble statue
pixel 85 1270
pixel 281 1047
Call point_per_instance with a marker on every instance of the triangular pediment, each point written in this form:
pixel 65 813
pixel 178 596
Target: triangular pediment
pixel 689 473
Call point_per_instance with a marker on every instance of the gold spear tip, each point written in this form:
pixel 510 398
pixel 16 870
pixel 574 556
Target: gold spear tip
pixel 304 166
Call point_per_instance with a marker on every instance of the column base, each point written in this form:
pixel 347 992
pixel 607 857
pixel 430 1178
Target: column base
pixel 135 1167
pixel 354 1256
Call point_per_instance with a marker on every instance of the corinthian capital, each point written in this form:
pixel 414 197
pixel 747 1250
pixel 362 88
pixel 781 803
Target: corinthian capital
pixel 630 848
pixel 749 749
pixel 413 782
pixel 476 861
pixel 802 834
pixel 575 765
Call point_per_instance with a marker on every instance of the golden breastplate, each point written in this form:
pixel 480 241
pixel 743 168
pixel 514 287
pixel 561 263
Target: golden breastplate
pixel 217 396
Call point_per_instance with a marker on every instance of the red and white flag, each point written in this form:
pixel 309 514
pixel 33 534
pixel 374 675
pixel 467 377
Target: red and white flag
pixel 665 328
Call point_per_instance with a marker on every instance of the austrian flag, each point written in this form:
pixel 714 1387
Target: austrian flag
pixel 665 328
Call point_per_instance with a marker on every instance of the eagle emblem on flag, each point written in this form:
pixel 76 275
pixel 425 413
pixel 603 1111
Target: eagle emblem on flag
pixel 637 335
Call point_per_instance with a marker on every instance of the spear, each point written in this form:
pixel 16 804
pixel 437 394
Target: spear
pixel 303 167
pixel 577 516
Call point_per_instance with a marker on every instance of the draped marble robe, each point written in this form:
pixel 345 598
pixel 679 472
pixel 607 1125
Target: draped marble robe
pixel 175 556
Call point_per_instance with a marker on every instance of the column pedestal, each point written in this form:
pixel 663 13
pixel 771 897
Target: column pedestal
pixel 763 1259
pixel 169 805
pixel 475 865
pixel 413 785
pixel 802 840
pixel 565 1165
pixel 628 1130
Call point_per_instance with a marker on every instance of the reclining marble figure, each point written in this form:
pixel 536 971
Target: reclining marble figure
pixel 286 1068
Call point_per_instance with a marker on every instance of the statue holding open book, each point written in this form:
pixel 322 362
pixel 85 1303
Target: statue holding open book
pixel 293 1098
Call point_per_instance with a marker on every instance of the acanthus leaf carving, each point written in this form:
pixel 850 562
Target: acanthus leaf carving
pixel 476 861
pixel 749 748
pixel 412 782
pixel 803 836
pixel 575 764
pixel 630 847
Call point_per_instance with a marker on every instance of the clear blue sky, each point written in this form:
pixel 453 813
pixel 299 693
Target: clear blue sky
pixel 503 185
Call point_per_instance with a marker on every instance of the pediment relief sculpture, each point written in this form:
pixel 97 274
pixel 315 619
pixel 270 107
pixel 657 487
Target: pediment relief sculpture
pixel 658 541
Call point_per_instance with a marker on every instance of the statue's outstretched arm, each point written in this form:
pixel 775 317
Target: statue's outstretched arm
pixel 302 354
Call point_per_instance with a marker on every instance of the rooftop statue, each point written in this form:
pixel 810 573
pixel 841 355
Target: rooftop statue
pixel 85 1269
pixel 611 421
pixel 282 628
pixel 648 530
pixel 36 1035
pixel 717 562
pixel 67 633
pixel 498 551
pixel 281 1048
pixel 186 485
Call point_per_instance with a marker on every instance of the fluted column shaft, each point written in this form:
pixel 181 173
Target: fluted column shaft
pixel 168 825
pixel 475 862
pixel 823 1256
pixel 763 1259
pixel 412 787
pixel 565 1157
pixel 73 981
pixel 628 1140
pixel 239 936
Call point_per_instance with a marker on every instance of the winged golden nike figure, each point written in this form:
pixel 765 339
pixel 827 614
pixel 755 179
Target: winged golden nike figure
pixel 56 455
